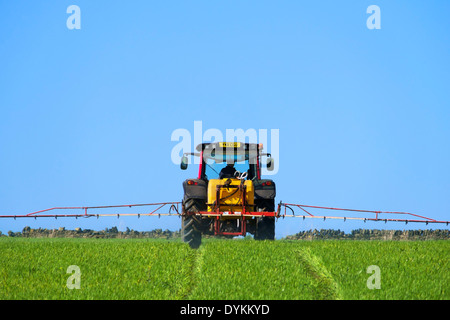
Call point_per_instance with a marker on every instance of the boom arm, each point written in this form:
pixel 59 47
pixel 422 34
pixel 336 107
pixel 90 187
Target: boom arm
pixel 173 209
pixel 379 215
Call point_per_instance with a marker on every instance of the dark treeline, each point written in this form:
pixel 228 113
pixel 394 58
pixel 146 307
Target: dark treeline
pixel 358 234
pixel 113 232
pixel 372 234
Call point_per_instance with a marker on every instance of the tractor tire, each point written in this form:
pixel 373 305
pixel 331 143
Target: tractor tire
pixel 189 233
pixel 265 226
pixel 190 225
pixel 194 205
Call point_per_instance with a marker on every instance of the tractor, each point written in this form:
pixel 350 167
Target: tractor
pixel 228 197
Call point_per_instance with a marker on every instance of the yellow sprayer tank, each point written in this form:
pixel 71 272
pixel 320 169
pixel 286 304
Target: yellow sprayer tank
pixel 231 196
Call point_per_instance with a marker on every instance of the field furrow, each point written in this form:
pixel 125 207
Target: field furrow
pixel 236 270
pixel 325 288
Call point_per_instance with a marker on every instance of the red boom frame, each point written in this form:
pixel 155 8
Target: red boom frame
pixel 155 212
pixel 174 210
pixel 377 217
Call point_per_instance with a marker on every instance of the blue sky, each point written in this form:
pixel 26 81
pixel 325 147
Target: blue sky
pixel 86 116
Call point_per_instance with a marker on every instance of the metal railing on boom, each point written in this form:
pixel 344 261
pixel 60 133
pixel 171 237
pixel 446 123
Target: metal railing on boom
pixel 379 215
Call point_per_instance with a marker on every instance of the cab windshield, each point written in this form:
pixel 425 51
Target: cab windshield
pixel 214 165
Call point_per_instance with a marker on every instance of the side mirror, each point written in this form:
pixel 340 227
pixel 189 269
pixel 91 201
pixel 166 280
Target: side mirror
pixel 270 164
pixel 184 163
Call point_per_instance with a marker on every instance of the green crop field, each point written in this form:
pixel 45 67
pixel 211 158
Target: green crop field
pixel 223 269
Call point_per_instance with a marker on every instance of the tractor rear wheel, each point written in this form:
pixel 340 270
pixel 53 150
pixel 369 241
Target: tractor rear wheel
pixel 194 205
pixel 265 226
pixel 189 233
pixel 190 226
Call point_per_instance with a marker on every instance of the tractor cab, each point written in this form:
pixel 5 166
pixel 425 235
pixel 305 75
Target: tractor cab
pixel 215 157
pixel 228 197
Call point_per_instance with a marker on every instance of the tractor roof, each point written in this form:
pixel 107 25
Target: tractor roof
pixel 238 146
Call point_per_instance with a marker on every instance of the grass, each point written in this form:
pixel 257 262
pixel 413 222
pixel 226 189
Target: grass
pixel 408 269
pixel 222 269
pixel 253 270
pixel 110 269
